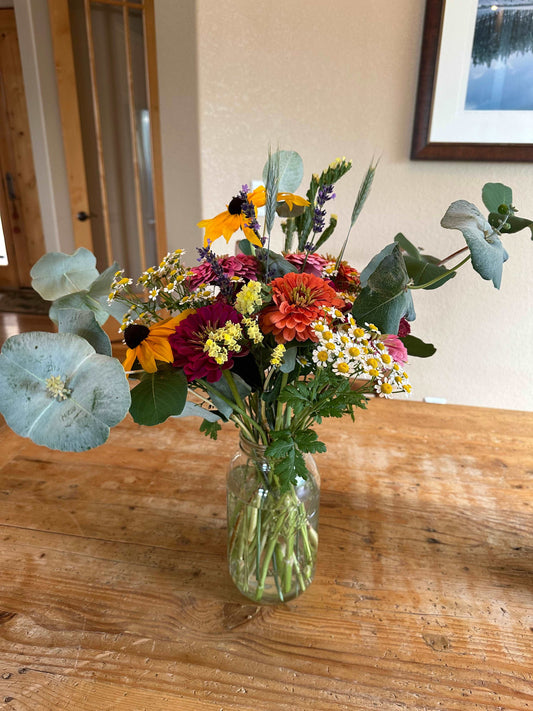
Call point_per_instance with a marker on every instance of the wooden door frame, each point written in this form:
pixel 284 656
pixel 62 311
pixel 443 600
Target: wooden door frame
pixel 71 124
pixel 21 215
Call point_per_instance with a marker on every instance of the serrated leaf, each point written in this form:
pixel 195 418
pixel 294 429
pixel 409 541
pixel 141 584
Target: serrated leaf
pixel 84 324
pixel 488 253
pixel 416 347
pixel 158 396
pixel 496 194
pixel 57 274
pixel 97 394
pixel 291 171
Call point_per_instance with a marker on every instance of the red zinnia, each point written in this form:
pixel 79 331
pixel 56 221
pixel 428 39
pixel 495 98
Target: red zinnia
pixel 188 340
pixel 314 262
pixel 299 299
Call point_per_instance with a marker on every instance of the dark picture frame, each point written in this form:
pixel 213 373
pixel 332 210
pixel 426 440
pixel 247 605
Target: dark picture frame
pixel 422 148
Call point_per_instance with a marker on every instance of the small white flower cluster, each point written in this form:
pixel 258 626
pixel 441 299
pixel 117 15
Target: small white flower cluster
pixel 352 351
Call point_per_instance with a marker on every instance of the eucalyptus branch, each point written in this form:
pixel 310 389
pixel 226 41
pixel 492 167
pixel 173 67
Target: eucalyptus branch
pixel 441 276
pixel 451 256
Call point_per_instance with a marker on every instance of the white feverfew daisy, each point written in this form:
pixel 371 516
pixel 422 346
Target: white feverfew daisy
pixel 343 367
pixel 321 356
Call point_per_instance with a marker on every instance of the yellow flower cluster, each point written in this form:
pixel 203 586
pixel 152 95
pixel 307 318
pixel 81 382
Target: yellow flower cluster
pixel 252 330
pixel 223 340
pixel 249 298
pixel 276 359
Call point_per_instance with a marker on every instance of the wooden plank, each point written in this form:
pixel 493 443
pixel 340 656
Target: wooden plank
pixel 70 120
pixel 115 592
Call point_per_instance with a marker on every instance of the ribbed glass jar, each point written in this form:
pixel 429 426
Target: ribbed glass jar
pixel 272 532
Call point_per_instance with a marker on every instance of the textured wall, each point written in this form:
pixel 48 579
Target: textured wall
pixel 340 79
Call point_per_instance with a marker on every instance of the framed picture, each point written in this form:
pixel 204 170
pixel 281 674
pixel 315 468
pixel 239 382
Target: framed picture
pixel 475 86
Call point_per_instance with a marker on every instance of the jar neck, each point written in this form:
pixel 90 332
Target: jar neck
pixel 252 449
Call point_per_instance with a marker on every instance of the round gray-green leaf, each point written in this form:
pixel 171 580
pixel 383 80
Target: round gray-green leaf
pixel 57 274
pixel 92 393
pixel 291 171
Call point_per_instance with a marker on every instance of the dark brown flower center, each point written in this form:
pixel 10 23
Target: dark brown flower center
pixel 134 334
pixel 235 206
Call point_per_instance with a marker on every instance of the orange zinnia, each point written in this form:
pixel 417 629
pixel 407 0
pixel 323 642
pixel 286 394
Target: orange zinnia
pixel 299 300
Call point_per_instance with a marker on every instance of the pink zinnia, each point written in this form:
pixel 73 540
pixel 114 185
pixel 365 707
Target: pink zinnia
pixel 314 265
pixel 188 340
pixel 396 348
pixel 242 265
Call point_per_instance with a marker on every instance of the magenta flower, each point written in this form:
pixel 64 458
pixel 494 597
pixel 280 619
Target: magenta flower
pixel 314 265
pixel 242 265
pixel 396 348
pixel 188 340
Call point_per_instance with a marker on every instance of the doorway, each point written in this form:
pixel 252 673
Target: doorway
pixel 104 54
pixel 21 233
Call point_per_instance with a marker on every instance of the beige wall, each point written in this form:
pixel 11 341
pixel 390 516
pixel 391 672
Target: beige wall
pixel 325 79
pixel 333 79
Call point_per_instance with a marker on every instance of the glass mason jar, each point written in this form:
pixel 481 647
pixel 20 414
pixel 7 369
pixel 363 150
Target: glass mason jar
pixel 272 533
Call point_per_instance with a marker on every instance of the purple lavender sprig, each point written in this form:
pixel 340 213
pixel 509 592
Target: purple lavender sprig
pixel 221 278
pixel 325 193
pixel 248 210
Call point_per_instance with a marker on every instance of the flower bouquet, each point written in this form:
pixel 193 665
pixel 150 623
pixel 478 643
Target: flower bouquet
pixel 270 341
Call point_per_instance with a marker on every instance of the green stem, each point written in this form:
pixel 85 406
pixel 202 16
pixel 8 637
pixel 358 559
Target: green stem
pixel 279 412
pixel 441 276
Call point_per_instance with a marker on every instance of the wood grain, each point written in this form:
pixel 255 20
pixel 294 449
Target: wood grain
pixel 115 592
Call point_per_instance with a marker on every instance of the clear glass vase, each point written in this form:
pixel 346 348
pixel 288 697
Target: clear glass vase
pixel 272 534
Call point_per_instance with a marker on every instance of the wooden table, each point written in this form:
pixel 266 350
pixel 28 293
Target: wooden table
pixel 115 594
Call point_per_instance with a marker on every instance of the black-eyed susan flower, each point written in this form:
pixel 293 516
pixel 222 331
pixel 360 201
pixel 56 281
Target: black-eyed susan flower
pixel 241 214
pixel 149 344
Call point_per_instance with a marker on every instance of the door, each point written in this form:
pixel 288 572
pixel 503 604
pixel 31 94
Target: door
pixel 106 74
pixel 21 233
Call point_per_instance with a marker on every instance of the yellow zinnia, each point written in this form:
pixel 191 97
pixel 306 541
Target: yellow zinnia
pixel 149 344
pixel 228 222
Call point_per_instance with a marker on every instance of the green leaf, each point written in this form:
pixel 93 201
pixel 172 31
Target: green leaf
pixel 514 224
pixel 375 262
pixel 385 298
pixel 327 233
pixel 417 347
pixel 488 253
pixel 80 301
pixel 291 170
pixel 289 360
pixel 57 274
pixel 210 429
pixel 277 264
pixel 158 396
pixel 307 441
pixel 191 409
pixel 84 324
pixel 95 388
pixel 222 387
pixel 407 246
pixel 496 194
pixel 246 247
pixel 422 271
